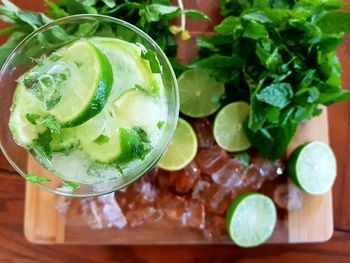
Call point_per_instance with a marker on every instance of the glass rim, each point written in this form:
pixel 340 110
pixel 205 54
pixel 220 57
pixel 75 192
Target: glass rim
pixel 158 152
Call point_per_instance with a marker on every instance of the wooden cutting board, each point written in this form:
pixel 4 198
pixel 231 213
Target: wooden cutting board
pixel 44 224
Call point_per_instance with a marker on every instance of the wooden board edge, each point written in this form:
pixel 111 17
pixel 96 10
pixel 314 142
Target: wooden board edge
pixel 51 229
pixel 314 222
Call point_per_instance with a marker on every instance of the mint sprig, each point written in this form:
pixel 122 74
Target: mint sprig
pixel 35 179
pixel 280 56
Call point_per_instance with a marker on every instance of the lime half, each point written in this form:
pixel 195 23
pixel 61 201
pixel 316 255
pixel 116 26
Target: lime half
pixel 73 84
pixel 313 167
pixel 182 149
pixel 199 93
pixel 251 219
pixel 228 127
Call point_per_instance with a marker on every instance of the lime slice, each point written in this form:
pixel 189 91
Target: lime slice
pixel 313 168
pixel 228 127
pixel 87 89
pixel 126 61
pixel 251 219
pixel 23 131
pixel 199 93
pixel 182 149
pixel 137 108
pixel 73 84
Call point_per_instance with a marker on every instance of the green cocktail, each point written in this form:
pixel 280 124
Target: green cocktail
pixel 96 111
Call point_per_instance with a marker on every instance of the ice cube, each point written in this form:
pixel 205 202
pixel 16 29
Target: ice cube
pixel 151 175
pixel 210 160
pixel 148 192
pixel 135 218
pixel 215 228
pixel 252 178
pixel 230 175
pixel 187 177
pixel 103 212
pixel 218 199
pixel 288 197
pixel 199 190
pixel 163 181
pixel 141 215
pixel 268 169
pixel 215 197
pixel 194 215
pixel 204 133
pixel 63 204
pixel 173 206
pixel 126 198
pixel 152 214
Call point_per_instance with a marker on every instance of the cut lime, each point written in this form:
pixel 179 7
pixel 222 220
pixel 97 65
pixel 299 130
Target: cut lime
pixel 87 85
pixel 228 127
pixel 182 149
pixel 126 61
pixel 87 90
pixel 199 93
pixel 251 219
pixel 138 108
pixel 313 167
pixel 23 131
pixel 73 85
pixel 99 138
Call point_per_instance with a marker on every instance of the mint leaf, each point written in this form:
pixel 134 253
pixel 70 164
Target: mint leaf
pixel 229 26
pixel 244 158
pixel 55 57
pixel 41 145
pixel 334 22
pixel 196 15
pixel 72 185
pixel 32 118
pixel 10 45
pixel 259 16
pixel 135 144
pixel 36 179
pixel 109 3
pixel 52 124
pixel 30 81
pixel 278 95
pixel 151 56
pixel 160 124
pixel 156 12
pixel 88 29
pixel 50 121
pixel 102 139
pixel 255 30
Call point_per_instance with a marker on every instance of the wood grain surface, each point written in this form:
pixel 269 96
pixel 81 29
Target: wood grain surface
pixel 14 247
pixel 43 224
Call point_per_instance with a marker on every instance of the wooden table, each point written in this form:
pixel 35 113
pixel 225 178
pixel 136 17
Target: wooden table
pixel 14 247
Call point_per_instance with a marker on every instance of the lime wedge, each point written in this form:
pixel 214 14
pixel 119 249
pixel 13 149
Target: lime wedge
pixel 199 93
pixel 251 219
pixel 23 131
pixel 313 168
pixel 228 127
pixel 88 86
pixel 138 108
pixel 127 61
pixel 72 84
pixel 182 149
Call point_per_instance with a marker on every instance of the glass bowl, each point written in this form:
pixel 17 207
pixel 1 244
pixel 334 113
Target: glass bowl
pixel 48 39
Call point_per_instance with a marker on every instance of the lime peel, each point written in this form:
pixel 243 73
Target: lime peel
pixel 182 149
